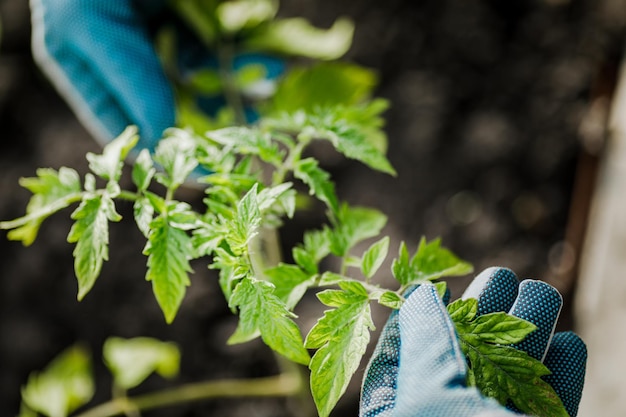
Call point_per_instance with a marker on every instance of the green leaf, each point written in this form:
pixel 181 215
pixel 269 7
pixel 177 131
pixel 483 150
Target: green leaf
pixel 505 373
pixel 355 224
pixel 250 74
pixel 181 216
pixel 401 266
pixel 246 222
pixel 331 298
pixel 331 278
pixel 206 81
pixel 442 288
pixel 237 15
pixel 354 287
pixel 109 164
pixel 51 185
pixel 304 260
pixel 260 309
pixel 131 361
pixel 322 85
pixel 462 311
pixel 315 247
pixel 90 232
pixel 317 244
pixel 143 213
pixel 287 203
pixel 496 328
pixel 90 183
pixel 291 283
pixel 430 262
pixel 347 128
pixel 352 142
pixel 176 154
pixel 502 328
pixel 390 299
pixel 156 201
pixel 249 141
pixel 296 36
pixel 226 194
pixel 367 116
pixel 498 369
pixel 268 197
pixel 341 337
pixel 169 249
pixel 319 182
pixel 25 411
pixel 52 191
pixel 374 257
pixel 65 384
pixel 206 238
pixel 143 170
pixel 232 270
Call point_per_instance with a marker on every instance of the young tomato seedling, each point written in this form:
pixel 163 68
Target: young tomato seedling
pixel 251 175
pixel 238 207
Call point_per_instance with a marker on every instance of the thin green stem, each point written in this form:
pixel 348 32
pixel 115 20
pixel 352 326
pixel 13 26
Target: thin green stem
pixel 265 251
pixel 371 288
pixel 119 393
pixel 201 17
pixel 226 55
pixel 292 158
pixel 402 289
pixel 128 195
pixel 284 385
pixel 343 270
pixel 44 212
pixel 302 401
pixel 169 194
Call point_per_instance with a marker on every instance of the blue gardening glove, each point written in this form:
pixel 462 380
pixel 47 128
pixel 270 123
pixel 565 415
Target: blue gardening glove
pixel 100 56
pixel 418 369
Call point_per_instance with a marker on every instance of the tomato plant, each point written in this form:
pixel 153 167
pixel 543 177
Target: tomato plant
pixel 254 177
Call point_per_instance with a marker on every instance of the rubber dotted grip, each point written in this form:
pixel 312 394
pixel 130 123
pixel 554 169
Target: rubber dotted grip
pixel 566 359
pixel 499 291
pixel 540 304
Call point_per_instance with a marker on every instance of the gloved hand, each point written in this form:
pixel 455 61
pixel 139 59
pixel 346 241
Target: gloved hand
pixel 100 56
pixel 418 369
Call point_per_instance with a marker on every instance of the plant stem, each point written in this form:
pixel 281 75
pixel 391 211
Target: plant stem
pixel 169 194
pixel 226 55
pixel 128 195
pixel 290 161
pixel 118 393
pixel 302 401
pixel 283 385
pixel 264 251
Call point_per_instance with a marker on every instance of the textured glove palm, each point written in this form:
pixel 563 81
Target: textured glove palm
pixel 99 55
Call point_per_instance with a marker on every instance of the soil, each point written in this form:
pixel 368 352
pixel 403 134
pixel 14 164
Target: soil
pixel 489 126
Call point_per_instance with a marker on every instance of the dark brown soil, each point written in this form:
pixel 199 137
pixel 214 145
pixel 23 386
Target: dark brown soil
pixel 488 98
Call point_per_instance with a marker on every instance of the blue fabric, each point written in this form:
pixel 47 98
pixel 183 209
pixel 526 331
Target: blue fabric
pixel 540 304
pixel 100 56
pixel 417 368
pixel 564 358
